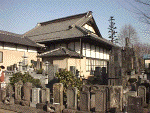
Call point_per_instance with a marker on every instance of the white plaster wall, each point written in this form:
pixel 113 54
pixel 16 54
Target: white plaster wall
pixel 89 28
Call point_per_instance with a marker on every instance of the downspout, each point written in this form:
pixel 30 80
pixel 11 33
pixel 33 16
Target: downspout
pixel 80 55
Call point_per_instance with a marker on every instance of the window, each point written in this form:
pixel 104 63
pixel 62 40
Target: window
pixel 91 64
pixel 1 57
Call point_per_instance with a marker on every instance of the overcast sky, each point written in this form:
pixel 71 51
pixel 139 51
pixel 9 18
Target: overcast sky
pixel 20 16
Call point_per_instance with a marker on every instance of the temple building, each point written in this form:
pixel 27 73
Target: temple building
pixel 74 43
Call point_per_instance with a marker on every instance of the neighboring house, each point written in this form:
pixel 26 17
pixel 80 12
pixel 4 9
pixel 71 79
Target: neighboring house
pixel 13 47
pixel 73 42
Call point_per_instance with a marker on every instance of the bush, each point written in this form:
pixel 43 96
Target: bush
pixel 24 78
pixel 68 79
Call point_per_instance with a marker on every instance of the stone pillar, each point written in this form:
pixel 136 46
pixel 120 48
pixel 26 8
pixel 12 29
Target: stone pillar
pixel 47 95
pixel 35 97
pixel 43 96
pixel 27 93
pixel 20 66
pixel 18 86
pixel 58 94
pixel 85 101
pixel 100 101
pixel 72 98
pixel 116 96
pixel 142 92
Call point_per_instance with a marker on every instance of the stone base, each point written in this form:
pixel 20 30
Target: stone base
pixel 56 107
pixel 17 101
pixel 40 105
pixel 69 111
pixel 32 104
pixel 25 103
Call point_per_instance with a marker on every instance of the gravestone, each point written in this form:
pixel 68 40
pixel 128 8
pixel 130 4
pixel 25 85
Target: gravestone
pixel 116 95
pixel 85 101
pixel 126 95
pixel 9 93
pixel 18 86
pixel 86 87
pixel 98 72
pixel 142 92
pixel 72 98
pixel 135 104
pixel 92 106
pixel 35 96
pixel 27 93
pixel 43 95
pixel 47 95
pixel 58 94
pixel 2 94
pixel 104 76
pixel 100 101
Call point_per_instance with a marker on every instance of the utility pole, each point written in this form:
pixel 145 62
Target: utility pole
pixel 112 29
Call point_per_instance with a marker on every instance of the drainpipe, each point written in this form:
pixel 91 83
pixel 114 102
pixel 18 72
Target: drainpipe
pixel 80 55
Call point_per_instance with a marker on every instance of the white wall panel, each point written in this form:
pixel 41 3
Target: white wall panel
pixel 88 54
pixel 97 52
pixel 84 49
pixel 101 53
pixel 105 57
pixel 93 51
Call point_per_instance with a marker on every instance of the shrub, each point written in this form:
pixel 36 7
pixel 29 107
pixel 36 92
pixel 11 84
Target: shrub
pixel 24 78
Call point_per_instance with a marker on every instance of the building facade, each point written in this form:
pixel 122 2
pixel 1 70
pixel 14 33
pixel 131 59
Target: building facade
pixel 13 47
pixel 73 41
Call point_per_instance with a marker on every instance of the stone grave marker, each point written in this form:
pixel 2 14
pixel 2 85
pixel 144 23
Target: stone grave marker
pixel 35 96
pixel 85 101
pixel 2 94
pixel 135 104
pixel 142 92
pixel 47 95
pixel 18 87
pixel 100 100
pixel 43 95
pixel 116 95
pixel 72 98
pixel 9 93
pixel 86 87
pixel 27 93
pixel 58 94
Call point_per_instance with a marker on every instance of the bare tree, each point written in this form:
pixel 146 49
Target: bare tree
pixel 130 32
pixel 142 49
pixel 145 11
pixel 141 8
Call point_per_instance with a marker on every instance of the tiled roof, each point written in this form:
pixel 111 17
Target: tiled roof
pixel 62 51
pixel 16 39
pixel 59 29
pixel 65 28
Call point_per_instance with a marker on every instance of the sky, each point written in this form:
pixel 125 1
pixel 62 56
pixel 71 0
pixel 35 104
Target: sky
pixel 20 16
